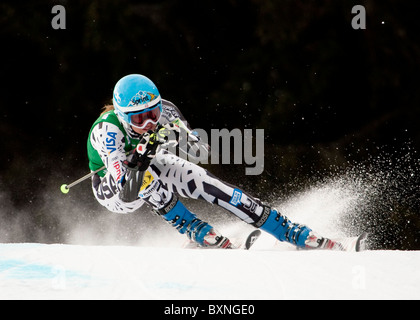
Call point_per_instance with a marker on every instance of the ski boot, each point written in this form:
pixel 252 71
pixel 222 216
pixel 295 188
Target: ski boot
pixel 303 237
pixel 283 229
pixel 186 222
pixel 297 234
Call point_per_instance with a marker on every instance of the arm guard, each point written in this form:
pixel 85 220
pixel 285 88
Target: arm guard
pixel 133 177
pixel 140 161
pixel 130 190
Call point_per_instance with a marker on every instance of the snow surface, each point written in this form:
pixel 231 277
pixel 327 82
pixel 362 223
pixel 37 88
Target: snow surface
pixel 156 267
pixel 57 271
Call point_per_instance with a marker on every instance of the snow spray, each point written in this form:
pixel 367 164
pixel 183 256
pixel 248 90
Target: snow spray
pixel 379 196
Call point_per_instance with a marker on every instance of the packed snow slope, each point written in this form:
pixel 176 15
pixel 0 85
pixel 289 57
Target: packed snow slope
pixel 55 271
pixel 95 264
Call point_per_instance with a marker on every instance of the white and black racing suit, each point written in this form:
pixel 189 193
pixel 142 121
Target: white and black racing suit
pixel 169 176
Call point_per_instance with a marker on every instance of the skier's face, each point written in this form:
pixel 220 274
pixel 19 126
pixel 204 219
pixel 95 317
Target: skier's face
pixel 149 126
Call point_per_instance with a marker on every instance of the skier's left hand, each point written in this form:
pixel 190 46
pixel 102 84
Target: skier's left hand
pixel 167 134
pixel 144 152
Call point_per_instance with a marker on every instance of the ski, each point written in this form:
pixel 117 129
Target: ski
pixel 250 240
pixel 244 245
pixel 348 244
pixel 351 244
pixel 361 242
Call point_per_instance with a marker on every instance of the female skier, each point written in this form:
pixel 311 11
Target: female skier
pixel 125 139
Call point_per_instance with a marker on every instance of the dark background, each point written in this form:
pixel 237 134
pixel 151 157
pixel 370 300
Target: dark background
pixel 332 100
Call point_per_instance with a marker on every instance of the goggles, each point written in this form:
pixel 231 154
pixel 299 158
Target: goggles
pixel 143 118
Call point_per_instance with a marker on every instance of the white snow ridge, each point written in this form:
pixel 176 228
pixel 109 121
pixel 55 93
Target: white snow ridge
pixel 157 268
pixel 40 271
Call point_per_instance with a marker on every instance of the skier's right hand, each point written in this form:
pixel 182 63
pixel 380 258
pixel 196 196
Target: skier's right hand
pixel 142 155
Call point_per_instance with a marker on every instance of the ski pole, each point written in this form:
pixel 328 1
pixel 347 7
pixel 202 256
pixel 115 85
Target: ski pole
pixel 183 126
pixel 65 188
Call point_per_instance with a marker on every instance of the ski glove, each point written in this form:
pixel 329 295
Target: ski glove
pixel 136 165
pixel 140 159
pixel 168 134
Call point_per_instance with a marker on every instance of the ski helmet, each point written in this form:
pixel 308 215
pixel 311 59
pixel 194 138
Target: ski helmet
pixel 137 101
